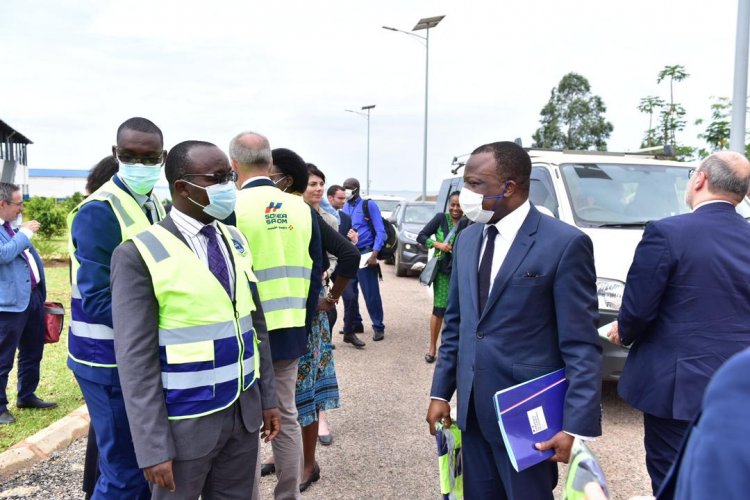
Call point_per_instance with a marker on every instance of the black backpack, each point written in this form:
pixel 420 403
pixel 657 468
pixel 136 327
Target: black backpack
pixel 391 240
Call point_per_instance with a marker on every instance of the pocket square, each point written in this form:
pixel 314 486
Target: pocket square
pixel 528 274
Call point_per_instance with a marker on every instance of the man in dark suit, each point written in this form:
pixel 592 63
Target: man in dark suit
pixel 686 306
pixel 337 198
pixel 715 458
pixel 191 338
pixel 21 305
pixel 522 304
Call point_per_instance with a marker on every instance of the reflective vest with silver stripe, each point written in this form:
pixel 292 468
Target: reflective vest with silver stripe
pixel 278 226
pixel 207 344
pixel 89 342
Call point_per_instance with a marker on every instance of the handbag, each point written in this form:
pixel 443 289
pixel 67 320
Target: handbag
pixel 427 276
pixel 54 314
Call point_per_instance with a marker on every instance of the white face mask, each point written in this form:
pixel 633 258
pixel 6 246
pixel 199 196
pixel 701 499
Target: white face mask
pixel 17 223
pixel 349 193
pixel 471 204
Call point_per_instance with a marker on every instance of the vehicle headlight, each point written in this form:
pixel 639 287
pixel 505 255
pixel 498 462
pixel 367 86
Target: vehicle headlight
pixel 609 293
pixel 411 236
pixel 407 246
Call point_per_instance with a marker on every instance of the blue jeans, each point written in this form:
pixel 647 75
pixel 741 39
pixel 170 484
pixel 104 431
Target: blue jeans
pixel 367 278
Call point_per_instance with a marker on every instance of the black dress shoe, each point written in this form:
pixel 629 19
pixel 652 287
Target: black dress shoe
pixel 315 476
pixel 35 402
pixel 376 336
pixel 357 329
pixel 7 417
pixel 267 469
pixel 351 338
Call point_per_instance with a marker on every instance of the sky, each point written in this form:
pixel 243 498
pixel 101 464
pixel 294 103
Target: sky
pixel 73 70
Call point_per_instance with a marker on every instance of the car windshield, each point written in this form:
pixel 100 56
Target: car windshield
pixel 386 205
pixel 419 214
pixel 604 194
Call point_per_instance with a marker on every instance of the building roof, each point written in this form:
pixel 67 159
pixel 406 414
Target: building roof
pixel 8 132
pixel 58 172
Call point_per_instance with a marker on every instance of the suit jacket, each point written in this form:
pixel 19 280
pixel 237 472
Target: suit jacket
pixel 541 315
pixel 715 458
pixel 346 223
pixel 135 313
pixel 686 308
pixel 15 284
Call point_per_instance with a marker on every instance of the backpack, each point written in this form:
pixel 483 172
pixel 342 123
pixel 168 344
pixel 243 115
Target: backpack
pixel 391 240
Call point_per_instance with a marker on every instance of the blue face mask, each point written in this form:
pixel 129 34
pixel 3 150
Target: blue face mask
pixel 221 199
pixel 139 177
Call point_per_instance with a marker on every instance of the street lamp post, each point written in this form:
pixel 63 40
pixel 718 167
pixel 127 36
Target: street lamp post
pixel 423 24
pixel 366 115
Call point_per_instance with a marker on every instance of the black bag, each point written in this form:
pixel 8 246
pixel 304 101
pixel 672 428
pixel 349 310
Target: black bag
pixel 427 276
pixel 391 241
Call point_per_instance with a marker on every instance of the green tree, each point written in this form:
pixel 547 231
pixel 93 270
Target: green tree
pixel 672 117
pixel 650 104
pixel 573 118
pixel 48 213
pixel 717 132
pixel 71 202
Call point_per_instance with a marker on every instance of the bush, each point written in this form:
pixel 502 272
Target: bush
pixel 49 214
pixel 71 202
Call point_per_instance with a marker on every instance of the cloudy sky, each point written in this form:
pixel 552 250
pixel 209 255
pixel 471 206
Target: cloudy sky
pixel 74 70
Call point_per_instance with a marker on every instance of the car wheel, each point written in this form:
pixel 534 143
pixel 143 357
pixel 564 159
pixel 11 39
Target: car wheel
pixel 400 270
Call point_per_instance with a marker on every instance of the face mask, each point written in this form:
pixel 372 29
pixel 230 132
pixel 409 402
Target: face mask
pixel 139 177
pixel 221 200
pixel 17 223
pixel 349 193
pixel 471 204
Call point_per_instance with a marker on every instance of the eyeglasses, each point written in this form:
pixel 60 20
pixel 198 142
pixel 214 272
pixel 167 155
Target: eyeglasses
pixel 19 204
pixel 230 176
pixel 691 172
pixel 144 160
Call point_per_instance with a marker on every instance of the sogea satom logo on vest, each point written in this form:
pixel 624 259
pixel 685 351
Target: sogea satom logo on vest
pixel 273 215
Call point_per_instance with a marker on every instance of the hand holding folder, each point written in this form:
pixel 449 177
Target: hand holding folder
pixel 531 413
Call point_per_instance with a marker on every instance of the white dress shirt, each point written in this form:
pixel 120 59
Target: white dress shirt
pixel 507 229
pixel 198 243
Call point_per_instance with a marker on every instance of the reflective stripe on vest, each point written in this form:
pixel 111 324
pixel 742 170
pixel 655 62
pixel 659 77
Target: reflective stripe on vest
pixel 278 226
pixel 92 343
pixel 207 349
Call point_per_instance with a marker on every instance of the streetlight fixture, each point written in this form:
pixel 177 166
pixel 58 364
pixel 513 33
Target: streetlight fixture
pixel 366 115
pixel 426 24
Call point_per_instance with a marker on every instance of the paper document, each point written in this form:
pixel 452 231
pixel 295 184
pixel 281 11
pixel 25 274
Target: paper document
pixel 530 413
pixel 604 333
pixel 363 259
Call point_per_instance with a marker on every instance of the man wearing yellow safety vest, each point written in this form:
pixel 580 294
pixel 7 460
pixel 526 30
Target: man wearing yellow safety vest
pixel 287 259
pixel 192 346
pixel 116 211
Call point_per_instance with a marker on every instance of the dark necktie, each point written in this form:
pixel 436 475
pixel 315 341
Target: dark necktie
pixel 216 263
pixel 149 208
pixel 485 267
pixel 12 233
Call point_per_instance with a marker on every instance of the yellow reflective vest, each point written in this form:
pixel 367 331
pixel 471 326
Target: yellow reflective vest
pixel 89 342
pixel 208 347
pixel 278 227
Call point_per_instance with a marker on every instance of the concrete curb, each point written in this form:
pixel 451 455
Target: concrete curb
pixel 38 447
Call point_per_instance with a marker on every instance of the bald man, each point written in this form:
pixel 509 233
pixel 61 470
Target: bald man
pixel 686 306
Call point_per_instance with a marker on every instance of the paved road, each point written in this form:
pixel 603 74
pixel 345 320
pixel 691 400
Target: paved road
pixel 381 448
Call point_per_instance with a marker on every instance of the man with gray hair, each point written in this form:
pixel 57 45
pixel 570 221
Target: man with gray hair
pixel 284 241
pixel 686 306
pixel 21 304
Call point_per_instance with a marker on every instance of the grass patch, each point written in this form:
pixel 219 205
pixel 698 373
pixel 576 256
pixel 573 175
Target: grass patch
pixel 57 382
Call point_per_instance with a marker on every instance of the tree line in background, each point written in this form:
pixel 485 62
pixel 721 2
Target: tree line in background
pixel 573 119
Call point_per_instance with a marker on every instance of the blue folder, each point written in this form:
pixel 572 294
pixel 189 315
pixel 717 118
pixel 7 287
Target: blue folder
pixel 530 413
